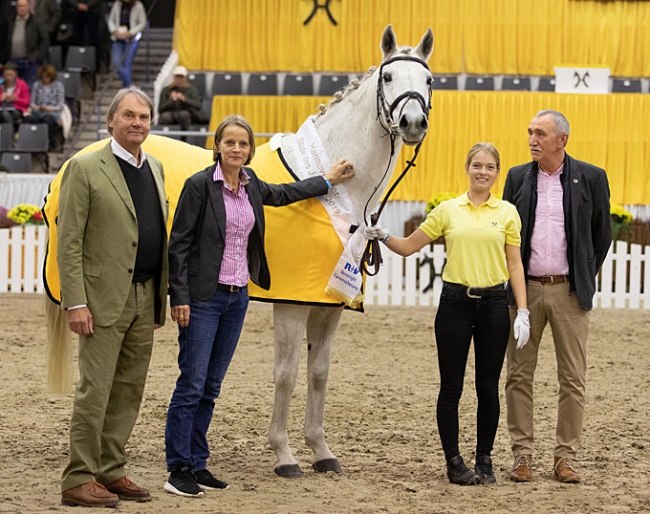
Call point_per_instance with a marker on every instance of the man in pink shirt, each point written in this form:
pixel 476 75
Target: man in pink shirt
pixel 566 233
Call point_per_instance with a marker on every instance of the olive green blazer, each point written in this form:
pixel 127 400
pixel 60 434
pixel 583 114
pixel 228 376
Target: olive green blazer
pixel 98 236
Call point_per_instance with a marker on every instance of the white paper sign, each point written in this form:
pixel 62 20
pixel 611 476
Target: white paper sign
pixel 591 80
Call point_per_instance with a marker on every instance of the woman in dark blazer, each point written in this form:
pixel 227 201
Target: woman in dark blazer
pixel 216 245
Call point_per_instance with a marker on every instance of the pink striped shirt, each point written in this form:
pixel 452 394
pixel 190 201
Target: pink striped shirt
pixel 240 220
pixel 548 243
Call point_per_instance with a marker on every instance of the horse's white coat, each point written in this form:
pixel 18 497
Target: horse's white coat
pixel 348 129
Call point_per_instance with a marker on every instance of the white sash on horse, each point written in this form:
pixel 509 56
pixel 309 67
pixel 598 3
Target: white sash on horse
pixel 346 280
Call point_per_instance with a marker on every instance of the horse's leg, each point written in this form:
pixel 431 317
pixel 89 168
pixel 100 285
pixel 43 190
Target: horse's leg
pixel 290 322
pixel 321 328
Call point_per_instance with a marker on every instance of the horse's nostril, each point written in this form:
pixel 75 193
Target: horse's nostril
pixel 403 123
pixel 424 124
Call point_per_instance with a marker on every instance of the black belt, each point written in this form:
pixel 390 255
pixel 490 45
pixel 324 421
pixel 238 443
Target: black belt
pixel 229 289
pixel 476 292
pixel 550 279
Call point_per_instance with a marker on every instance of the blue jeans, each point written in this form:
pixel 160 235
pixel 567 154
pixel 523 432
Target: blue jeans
pixel 207 345
pixel 458 320
pixel 26 70
pixel 122 57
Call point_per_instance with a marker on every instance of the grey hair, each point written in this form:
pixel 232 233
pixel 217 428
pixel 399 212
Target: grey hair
pixel 559 120
pixel 117 100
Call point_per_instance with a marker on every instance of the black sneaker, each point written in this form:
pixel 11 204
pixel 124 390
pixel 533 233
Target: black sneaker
pixel 206 480
pixel 182 482
pixel 460 474
pixel 483 469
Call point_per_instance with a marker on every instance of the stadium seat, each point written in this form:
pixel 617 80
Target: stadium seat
pixel 198 81
pixel 55 56
pixel 206 107
pixel 72 89
pixel 299 84
pixel 479 84
pixel 620 85
pixel 6 136
pixel 81 58
pixel 262 84
pixel 546 84
pixel 445 82
pixel 32 137
pixel 17 162
pixel 515 84
pixel 198 140
pixel 226 84
pixel 330 84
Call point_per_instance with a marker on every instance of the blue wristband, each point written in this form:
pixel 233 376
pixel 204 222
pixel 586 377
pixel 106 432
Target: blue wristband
pixel 329 184
pixel 385 240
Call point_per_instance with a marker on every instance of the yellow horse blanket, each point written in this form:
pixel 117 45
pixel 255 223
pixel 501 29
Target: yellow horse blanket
pixel 301 245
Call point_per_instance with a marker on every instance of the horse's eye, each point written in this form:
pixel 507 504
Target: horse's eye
pixel 429 80
pixel 387 77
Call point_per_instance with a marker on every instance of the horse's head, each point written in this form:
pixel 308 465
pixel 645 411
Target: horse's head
pixel 404 87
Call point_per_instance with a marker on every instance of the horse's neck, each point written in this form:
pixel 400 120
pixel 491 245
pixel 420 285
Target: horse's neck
pixel 350 130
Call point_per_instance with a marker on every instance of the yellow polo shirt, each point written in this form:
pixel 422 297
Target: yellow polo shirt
pixel 475 239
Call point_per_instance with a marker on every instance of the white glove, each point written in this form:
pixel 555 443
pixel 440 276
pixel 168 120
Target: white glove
pixel 376 232
pixel 521 328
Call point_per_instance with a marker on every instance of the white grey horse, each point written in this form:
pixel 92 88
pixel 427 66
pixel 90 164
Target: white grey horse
pixel 366 124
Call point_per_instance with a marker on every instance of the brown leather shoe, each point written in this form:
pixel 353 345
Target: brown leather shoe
pixel 92 494
pixel 565 472
pixel 127 490
pixel 522 471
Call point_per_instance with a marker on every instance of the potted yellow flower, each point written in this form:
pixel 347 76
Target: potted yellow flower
pixel 621 220
pixel 25 214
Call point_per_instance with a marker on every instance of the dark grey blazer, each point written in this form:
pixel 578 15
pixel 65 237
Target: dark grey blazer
pixel 587 219
pixel 197 239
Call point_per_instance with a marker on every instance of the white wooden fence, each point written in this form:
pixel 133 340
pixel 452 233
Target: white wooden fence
pixel 624 280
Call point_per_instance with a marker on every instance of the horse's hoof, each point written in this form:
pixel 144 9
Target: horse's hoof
pixel 289 471
pixel 325 465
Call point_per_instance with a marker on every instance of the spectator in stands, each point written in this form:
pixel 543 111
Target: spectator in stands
pixel 14 96
pixel 24 41
pixel 49 14
pixel 86 21
pixel 126 20
pixel 180 102
pixel 48 99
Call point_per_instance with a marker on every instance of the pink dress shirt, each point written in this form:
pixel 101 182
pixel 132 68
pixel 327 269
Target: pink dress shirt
pixel 240 220
pixel 548 242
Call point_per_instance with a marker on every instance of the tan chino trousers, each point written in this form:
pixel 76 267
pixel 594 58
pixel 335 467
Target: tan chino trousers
pixel 113 365
pixel 549 304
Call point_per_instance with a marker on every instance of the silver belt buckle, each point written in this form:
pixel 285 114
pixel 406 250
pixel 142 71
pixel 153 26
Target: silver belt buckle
pixel 470 295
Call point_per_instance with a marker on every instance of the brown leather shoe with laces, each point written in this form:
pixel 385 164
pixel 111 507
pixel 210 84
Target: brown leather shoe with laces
pixel 91 494
pixel 127 490
pixel 565 471
pixel 522 471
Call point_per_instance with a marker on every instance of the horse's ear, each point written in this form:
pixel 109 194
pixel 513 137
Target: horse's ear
pixel 425 46
pixel 388 42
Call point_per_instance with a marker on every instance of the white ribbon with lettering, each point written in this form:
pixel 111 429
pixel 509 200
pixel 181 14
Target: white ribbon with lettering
pixel 313 160
pixel 346 280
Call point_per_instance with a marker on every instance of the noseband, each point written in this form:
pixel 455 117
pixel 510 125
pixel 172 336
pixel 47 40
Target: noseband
pixel 383 107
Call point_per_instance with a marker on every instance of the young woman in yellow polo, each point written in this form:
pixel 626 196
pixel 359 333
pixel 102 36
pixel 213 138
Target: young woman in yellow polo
pixel 482 234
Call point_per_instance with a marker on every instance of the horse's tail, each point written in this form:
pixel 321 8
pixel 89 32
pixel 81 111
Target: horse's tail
pixel 59 348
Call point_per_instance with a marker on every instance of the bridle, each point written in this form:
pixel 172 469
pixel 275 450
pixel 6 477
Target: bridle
pixel 372 253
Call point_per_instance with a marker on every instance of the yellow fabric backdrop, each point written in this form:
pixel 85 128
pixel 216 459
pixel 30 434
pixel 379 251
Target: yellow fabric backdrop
pixel 498 37
pixel 606 130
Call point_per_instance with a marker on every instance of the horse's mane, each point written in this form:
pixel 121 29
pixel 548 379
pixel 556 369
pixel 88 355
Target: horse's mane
pixel 356 83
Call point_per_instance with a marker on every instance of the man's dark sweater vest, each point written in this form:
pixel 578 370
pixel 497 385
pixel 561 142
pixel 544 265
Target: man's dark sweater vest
pixel 148 213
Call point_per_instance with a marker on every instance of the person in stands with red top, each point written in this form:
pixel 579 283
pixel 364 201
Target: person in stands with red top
pixel 14 96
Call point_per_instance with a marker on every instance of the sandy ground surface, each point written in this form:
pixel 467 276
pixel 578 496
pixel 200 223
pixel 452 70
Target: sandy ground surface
pixel 380 421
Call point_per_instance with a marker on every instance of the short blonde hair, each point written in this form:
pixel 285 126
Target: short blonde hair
pixel 483 147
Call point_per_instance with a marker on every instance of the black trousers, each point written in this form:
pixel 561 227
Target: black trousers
pixel 459 319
